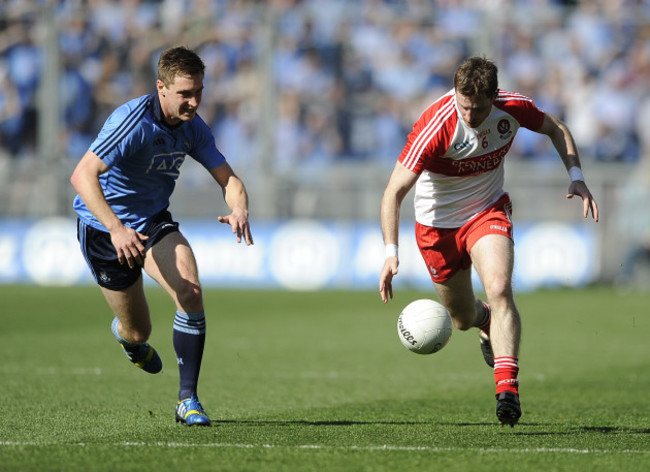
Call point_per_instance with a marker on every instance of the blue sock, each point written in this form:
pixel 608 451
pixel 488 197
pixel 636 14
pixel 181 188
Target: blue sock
pixel 189 339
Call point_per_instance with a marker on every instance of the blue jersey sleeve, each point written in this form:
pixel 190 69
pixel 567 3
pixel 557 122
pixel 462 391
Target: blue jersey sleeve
pixel 122 134
pixel 205 150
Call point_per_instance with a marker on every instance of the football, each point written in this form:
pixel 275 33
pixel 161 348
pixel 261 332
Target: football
pixel 424 326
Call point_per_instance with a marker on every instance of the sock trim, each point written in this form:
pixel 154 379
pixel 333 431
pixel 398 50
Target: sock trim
pixel 506 370
pixel 506 362
pixel 116 333
pixel 190 323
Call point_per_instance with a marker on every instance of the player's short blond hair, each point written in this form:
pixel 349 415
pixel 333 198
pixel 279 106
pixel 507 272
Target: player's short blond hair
pixel 178 61
pixel 476 76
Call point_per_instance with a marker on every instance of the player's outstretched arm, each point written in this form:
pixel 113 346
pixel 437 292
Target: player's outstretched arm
pixel 236 198
pixel 401 181
pixel 565 145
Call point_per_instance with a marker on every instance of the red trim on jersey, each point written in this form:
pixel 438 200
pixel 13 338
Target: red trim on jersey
pixel 439 122
pixel 434 131
pixel 472 165
pixel 522 108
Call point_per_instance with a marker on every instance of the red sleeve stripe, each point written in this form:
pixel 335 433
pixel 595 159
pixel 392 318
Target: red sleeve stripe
pixel 423 138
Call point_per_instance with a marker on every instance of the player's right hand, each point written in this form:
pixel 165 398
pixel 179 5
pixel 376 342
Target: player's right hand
pixel 238 220
pixel 578 187
pixel 128 245
pixel 386 278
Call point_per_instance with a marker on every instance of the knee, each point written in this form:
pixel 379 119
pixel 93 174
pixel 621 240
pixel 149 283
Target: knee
pixel 462 324
pixel 190 294
pixel 463 314
pixel 137 334
pixel 463 319
pixel 498 289
pixel 140 336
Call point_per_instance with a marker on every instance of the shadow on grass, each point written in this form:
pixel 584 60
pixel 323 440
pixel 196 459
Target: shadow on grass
pixel 353 423
pixel 317 423
pixel 581 429
pixel 614 429
pixel 517 429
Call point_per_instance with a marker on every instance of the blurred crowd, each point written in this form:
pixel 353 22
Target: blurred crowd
pixel 332 80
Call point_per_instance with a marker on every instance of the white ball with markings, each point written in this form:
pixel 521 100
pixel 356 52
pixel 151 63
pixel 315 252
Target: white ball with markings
pixel 424 326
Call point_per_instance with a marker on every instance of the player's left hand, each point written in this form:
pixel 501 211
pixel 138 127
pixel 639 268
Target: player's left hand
pixel 578 187
pixel 238 220
pixel 386 278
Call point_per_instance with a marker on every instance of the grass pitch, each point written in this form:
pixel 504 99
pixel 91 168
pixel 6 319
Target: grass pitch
pixel 320 381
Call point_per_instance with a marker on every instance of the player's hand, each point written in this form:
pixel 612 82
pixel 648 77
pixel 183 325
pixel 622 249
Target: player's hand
pixel 386 278
pixel 238 220
pixel 578 187
pixel 128 245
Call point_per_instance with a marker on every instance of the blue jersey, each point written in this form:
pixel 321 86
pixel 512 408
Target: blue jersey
pixel 144 156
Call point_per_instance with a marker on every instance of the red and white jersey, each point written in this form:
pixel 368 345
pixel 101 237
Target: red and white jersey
pixel 461 168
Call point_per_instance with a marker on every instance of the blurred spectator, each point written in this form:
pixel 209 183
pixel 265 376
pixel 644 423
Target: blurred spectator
pixel 634 229
pixel 615 106
pixel 23 59
pixel 345 74
pixel 11 113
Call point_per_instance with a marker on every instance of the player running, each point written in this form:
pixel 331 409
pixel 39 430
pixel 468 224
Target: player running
pixel 454 156
pixel 124 182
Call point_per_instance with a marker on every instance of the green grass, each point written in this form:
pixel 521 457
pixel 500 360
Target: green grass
pixel 320 381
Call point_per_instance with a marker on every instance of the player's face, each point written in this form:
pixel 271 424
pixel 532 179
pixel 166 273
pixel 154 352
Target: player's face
pixel 181 99
pixel 474 110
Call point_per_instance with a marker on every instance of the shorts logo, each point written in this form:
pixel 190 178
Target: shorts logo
pixel 103 276
pixel 433 271
pixel 499 228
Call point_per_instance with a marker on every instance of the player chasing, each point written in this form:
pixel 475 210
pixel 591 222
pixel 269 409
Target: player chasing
pixel 455 158
pixel 124 182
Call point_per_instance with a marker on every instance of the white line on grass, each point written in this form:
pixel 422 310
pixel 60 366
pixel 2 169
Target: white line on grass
pixel 323 447
pixel 53 371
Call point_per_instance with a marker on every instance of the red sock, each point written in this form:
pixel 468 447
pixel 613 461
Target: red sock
pixel 506 369
pixel 487 317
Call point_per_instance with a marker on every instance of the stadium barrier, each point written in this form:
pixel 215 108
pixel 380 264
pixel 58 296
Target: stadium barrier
pixel 297 255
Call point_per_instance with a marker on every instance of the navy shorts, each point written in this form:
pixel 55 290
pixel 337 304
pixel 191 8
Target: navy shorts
pixel 100 254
